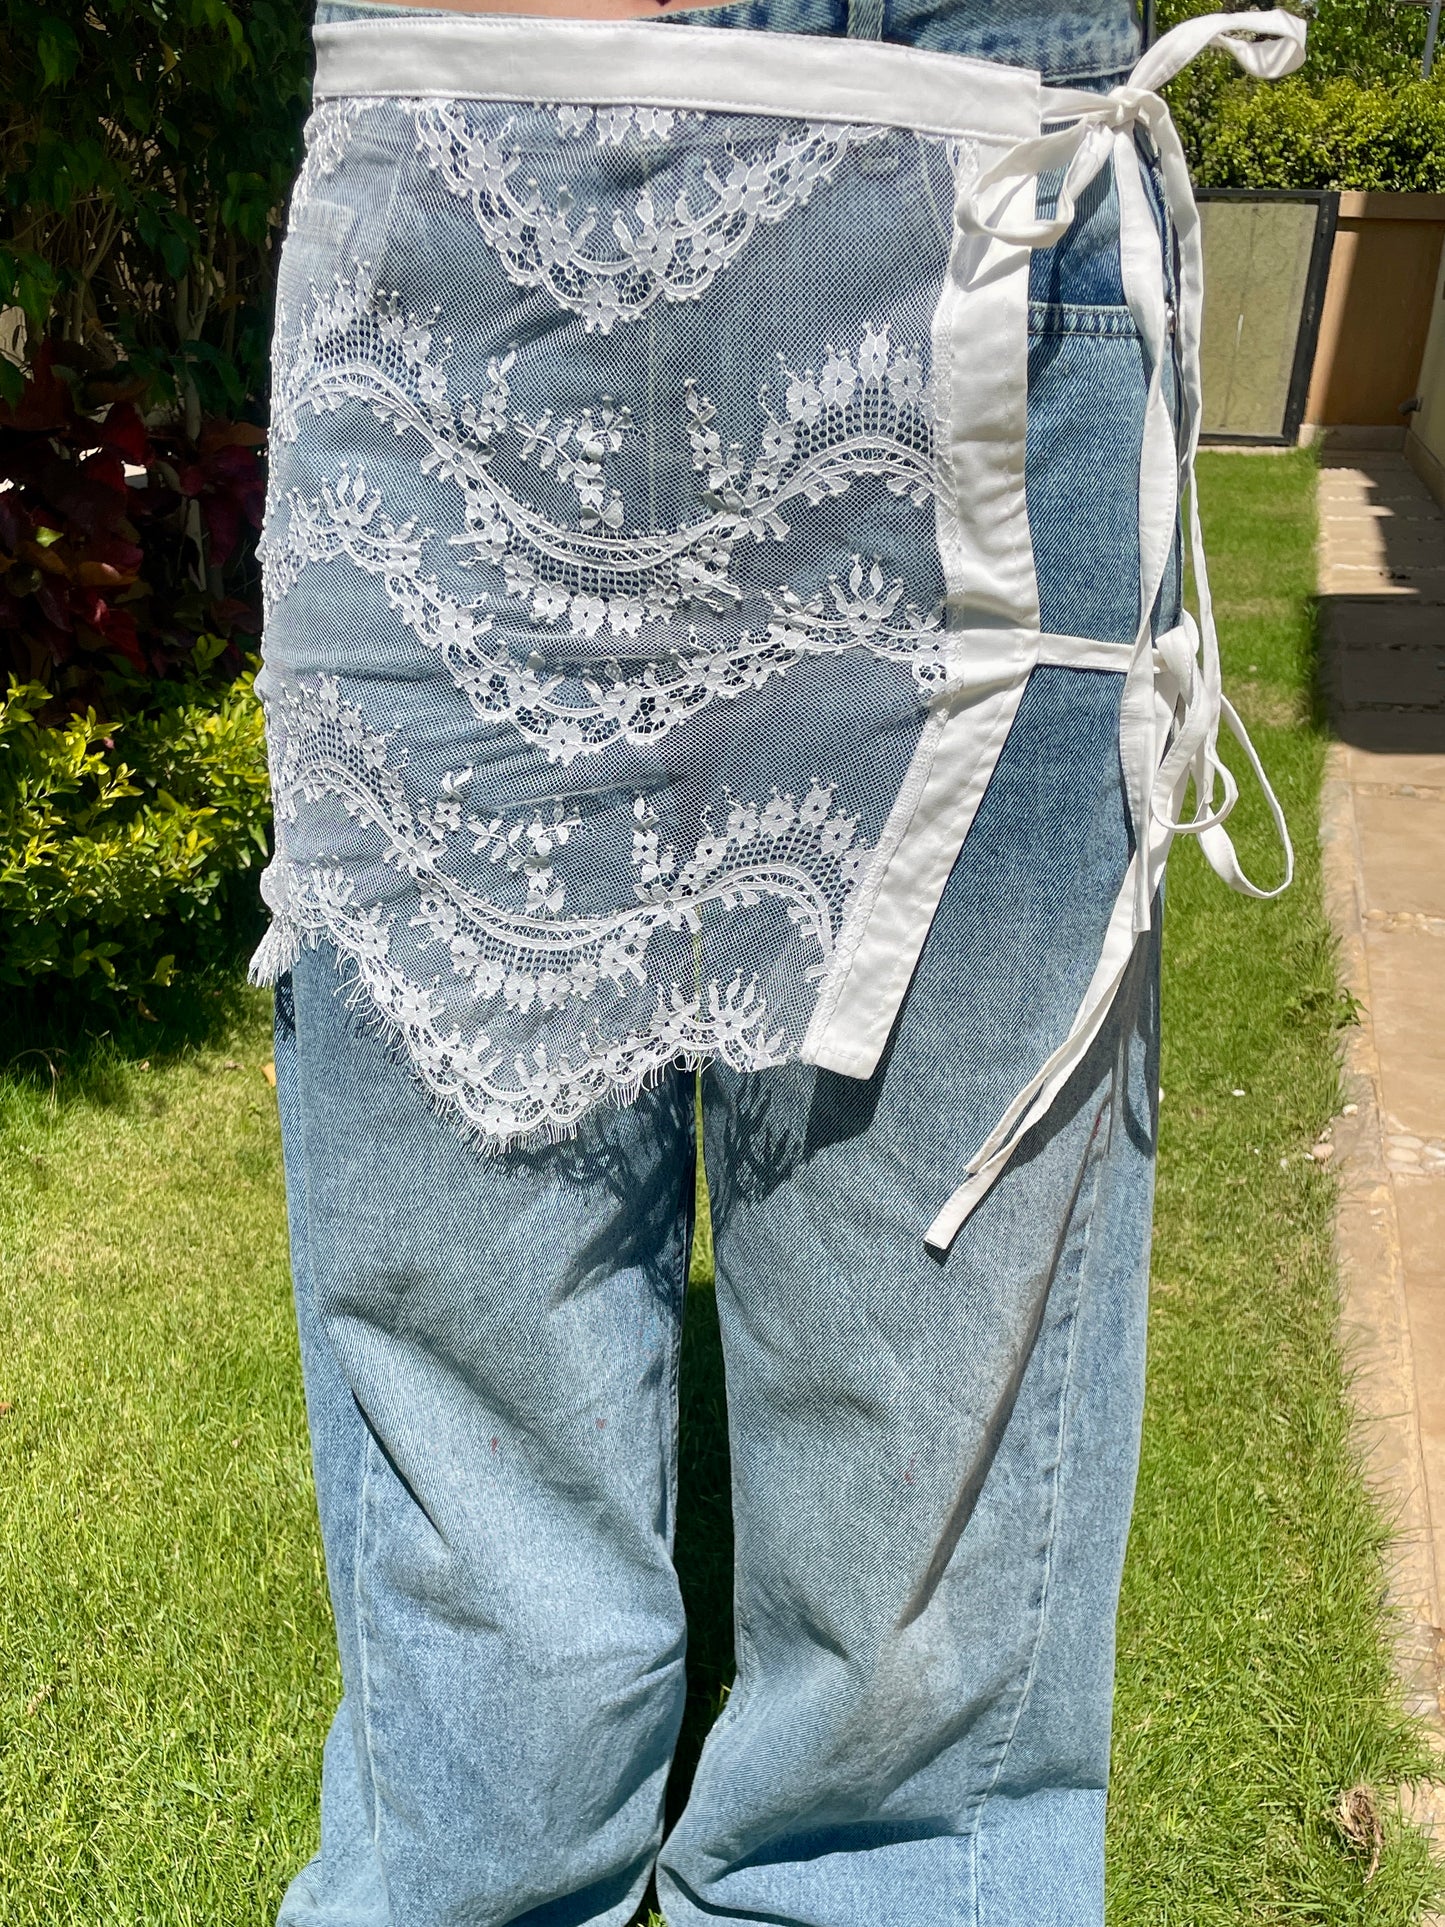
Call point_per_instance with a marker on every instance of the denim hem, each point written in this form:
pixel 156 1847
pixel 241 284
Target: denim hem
pixel 1082 318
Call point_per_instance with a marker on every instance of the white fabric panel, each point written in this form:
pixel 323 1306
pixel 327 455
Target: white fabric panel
pixel 809 76
pixel 980 360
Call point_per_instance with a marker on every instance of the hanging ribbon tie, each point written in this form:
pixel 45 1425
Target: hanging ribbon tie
pixel 1096 129
pixel 1082 147
pixel 1173 702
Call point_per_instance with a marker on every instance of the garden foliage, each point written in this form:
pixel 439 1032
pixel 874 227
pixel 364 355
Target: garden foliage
pixel 1343 134
pixel 125 847
pixel 147 147
pixel 1357 116
pixel 126 551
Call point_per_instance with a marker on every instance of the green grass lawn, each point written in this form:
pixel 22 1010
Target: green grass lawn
pixel 165 1662
pixel 164 1666
pixel 1254 1683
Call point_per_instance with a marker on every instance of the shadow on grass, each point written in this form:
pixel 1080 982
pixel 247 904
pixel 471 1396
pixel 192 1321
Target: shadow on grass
pixel 704 1546
pixel 65 1045
pixel 704 1551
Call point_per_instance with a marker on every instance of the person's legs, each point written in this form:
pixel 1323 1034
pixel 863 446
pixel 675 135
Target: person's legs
pixel 490 1351
pixel 934 1457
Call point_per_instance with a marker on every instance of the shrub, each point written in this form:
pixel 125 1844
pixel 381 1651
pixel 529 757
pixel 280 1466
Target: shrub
pixel 147 147
pixel 1341 135
pixel 1357 115
pixel 125 848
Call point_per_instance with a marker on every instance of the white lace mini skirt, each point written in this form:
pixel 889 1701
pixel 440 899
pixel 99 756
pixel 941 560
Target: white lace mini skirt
pixel 650 578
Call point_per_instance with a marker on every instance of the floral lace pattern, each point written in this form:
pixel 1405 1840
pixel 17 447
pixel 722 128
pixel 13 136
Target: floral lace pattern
pixel 515 560
pixel 328 130
pixel 671 601
pixel 611 271
pixel 568 714
pixel 801 854
pixel 614 126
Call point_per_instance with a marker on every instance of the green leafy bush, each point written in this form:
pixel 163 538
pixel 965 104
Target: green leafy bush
pixel 1366 40
pixel 1357 115
pixel 1340 135
pixel 146 150
pixel 127 551
pixel 125 848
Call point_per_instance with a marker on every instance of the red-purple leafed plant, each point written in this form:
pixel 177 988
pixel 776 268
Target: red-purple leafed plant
pixel 127 550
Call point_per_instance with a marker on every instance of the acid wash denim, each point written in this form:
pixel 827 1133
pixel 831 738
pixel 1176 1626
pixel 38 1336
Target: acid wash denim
pixel 933 1456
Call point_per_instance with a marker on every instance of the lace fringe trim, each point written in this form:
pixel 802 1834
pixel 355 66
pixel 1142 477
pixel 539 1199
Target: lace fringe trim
pixel 281 949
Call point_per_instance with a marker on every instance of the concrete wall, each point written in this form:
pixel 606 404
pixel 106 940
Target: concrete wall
pixel 1425 444
pixel 1378 306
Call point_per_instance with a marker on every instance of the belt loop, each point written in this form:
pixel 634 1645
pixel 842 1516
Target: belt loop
pixel 865 19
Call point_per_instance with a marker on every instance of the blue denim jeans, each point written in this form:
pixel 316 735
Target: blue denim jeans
pixel 933 1454
pixel 933 1459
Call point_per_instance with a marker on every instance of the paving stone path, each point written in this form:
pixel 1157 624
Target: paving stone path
pixel 1382 589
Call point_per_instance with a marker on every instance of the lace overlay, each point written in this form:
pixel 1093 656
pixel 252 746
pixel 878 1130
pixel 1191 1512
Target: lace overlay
pixel 612 269
pixel 328 130
pixel 796 857
pixel 596 655
pixel 674 599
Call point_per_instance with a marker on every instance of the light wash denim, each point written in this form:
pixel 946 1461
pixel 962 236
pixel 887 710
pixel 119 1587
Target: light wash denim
pixel 933 1456
pixel 933 1460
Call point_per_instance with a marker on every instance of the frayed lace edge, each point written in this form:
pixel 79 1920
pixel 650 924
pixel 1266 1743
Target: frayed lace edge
pixel 277 952
pixel 280 950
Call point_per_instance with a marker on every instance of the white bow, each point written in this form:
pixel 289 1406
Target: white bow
pixel 1100 127
pixel 1173 702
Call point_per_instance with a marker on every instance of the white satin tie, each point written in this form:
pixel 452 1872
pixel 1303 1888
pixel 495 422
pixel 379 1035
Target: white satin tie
pixel 1173 703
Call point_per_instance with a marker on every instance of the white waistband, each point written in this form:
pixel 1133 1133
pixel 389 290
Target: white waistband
pixel 815 77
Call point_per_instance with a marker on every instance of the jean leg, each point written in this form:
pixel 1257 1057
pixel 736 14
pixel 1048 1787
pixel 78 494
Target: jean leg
pixel 344 1885
pixel 934 1458
pixel 490 1345
pixel 1038 1854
